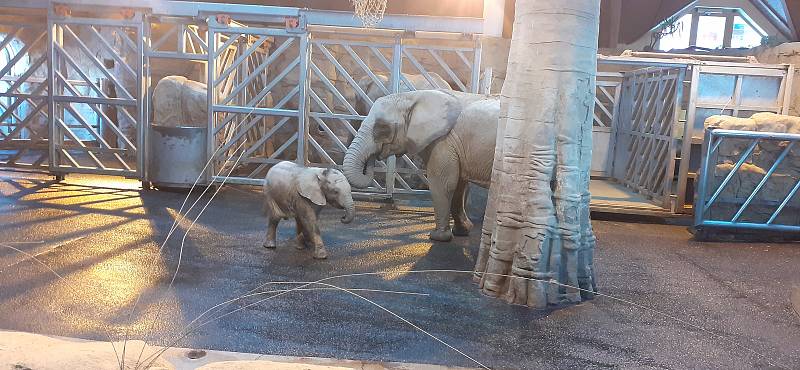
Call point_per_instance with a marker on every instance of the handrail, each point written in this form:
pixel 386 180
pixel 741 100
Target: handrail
pixel 776 207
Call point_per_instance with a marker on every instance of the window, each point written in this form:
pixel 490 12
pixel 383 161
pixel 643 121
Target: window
pixel 716 28
pixel 679 39
pixel 710 32
pixel 744 35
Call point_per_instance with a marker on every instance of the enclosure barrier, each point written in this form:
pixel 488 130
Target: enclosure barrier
pixel 295 84
pixel 646 142
pixel 656 136
pixel 749 181
pixel 24 97
pixel 304 99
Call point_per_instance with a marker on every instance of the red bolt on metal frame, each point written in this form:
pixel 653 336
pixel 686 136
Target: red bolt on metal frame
pixel 62 10
pixel 127 13
pixel 291 22
pixel 224 19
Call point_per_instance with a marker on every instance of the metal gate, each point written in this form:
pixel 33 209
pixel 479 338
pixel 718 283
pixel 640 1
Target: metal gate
pixel 81 47
pixel 348 72
pixel 274 93
pixel 646 148
pixel 605 119
pixel 257 99
pixel 23 96
pixel 342 74
pixel 284 94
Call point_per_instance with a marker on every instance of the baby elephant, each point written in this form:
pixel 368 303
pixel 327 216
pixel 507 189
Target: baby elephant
pixel 299 192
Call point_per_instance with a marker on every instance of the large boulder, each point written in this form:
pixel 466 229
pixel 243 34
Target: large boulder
pixel 179 101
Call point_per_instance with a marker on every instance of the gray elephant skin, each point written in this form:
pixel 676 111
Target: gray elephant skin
pixel 291 191
pixel 178 101
pixel 453 132
pixel 374 91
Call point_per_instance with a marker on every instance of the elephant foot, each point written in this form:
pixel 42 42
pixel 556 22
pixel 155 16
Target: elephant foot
pixel 320 253
pixel 269 244
pixel 441 235
pixel 462 228
pixel 300 242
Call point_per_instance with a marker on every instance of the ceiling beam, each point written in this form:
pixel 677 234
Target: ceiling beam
pixel 772 16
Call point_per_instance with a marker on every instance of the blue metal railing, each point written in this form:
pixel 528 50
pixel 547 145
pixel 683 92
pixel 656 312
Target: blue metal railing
pixel 728 200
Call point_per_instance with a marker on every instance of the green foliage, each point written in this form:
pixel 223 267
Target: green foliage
pixel 668 27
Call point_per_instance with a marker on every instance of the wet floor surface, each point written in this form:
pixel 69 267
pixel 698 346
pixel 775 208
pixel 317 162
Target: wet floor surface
pixel 720 305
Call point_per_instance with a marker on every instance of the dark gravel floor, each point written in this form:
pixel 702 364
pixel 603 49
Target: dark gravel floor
pixel 102 235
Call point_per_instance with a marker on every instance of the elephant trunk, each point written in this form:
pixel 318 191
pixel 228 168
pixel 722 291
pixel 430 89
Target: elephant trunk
pixel 349 211
pixel 358 153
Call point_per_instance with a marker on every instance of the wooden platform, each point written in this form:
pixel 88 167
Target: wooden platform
pixel 611 197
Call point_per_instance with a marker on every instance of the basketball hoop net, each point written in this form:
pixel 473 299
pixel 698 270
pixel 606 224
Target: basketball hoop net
pixel 369 11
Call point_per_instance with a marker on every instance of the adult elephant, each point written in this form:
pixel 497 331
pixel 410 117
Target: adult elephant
pixel 453 132
pixel 417 81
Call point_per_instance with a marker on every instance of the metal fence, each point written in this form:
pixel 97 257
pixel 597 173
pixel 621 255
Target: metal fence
pixel 749 180
pixel 732 89
pixel 645 142
pixel 78 46
pixel 23 97
pixel 663 103
pixel 283 83
pixel 303 96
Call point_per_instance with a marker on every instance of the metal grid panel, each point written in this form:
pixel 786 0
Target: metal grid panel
pixel 733 192
pixel 253 124
pixel 458 63
pixel 608 92
pixel 23 97
pixel 730 90
pixel 180 38
pixel 647 132
pixel 346 77
pixel 316 99
pixel 112 144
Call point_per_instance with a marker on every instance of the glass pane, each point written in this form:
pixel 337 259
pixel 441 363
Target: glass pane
pixel 716 88
pixel 744 35
pixel 761 91
pixel 710 32
pixel 680 38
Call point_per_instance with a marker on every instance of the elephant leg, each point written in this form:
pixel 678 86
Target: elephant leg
pixel 461 222
pixel 272 226
pixel 309 223
pixel 300 239
pixel 319 248
pixel 443 177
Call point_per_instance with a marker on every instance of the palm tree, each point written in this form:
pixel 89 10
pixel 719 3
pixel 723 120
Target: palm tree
pixel 536 227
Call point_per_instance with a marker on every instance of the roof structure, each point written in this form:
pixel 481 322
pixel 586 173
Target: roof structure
pixel 640 16
pixel 629 19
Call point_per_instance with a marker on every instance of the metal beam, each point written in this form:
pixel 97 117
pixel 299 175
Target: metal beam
pixel 393 21
pixel 264 13
pixel 786 29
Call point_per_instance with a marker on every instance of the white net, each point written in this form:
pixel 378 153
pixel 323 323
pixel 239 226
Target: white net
pixel 369 11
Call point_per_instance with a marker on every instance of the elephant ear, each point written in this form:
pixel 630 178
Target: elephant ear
pixel 309 188
pixel 431 115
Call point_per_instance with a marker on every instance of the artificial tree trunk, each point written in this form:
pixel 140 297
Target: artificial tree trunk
pixel 536 228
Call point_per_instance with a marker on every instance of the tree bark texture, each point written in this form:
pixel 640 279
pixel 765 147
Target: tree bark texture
pixel 537 218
